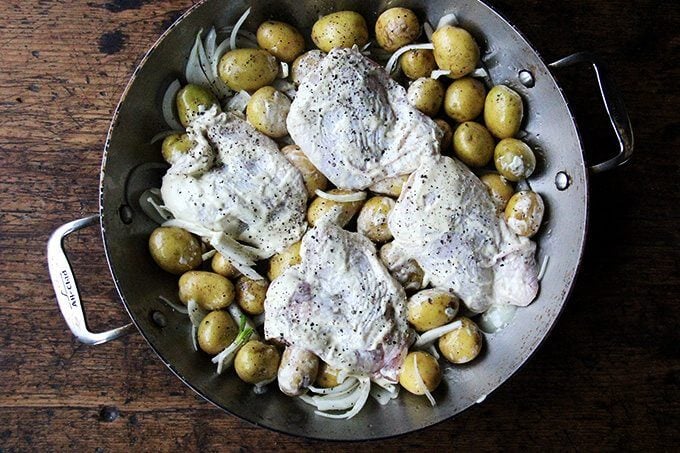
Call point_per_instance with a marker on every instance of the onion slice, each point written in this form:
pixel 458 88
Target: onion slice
pixel 431 335
pixel 237 26
pixel 421 383
pixel 342 198
pixel 168 105
pixel 428 30
pixel 447 19
pixel 239 102
pixel 174 305
pixel 437 73
pixel 544 266
pixel 394 59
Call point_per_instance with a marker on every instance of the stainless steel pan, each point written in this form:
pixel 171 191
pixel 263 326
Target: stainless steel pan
pixel 129 166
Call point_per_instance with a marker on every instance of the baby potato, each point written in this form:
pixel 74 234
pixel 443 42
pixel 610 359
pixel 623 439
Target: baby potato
pixel 391 186
pixel 248 69
pixel 426 94
pixel 514 159
pixel 455 50
pixel 428 369
pixel 524 213
pixel 447 139
pixel 281 40
pixel 210 291
pixel 406 271
pixel 464 99
pixel 304 64
pixel 175 250
pixel 174 146
pixel 283 260
pixel 216 331
pixel 463 344
pixel 340 29
pixel 396 27
pixel 327 376
pixel 431 308
pixel 191 100
pixel 473 144
pixel 313 178
pixel 221 265
pixel 500 189
pixel 339 213
pixel 257 362
pixel 372 220
pixel 418 63
pixel 503 111
pixel 297 371
pixel 267 111
pixel 250 294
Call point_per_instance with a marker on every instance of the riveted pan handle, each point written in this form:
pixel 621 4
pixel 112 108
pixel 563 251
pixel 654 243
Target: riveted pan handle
pixel 613 103
pixel 65 286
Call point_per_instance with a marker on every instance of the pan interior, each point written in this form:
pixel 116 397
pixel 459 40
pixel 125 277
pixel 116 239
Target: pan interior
pixel 551 132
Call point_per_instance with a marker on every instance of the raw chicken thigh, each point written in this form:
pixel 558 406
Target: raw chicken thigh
pixel 446 220
pixel 355 124
pixel 341 304
pixel 235 185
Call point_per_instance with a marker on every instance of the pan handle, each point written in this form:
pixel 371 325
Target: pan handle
pixel 65 286
pixel 613 103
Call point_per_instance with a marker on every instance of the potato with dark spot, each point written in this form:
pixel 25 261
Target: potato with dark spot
pixel 257 362
pixel 216 331
pixel 514 159
pixel 455 50
pixel 340 29
pixel 396 27
pixel 426 94
pixel 503 111
pixel 281 40
pixel 174 146
pixel 175 250
pixel 524 213
pixel 209 290
pixel 473 144
pixel 221 265
pixel 418 63
pixel 372 220
pixel 191 101
pixel 462 344
pixel 500 189
pixel 464 99
pixel 286 258
pixel 420 373
pixel 267 111
pixel 250 294
pixel 431 308
pixel 248 69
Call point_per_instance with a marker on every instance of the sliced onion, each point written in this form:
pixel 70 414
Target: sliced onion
pixel 194 335
pixel 196 313
pixel 496 318
pixel 421 383
pixel 239 102
pixel 193 72
pixel 347 384
pixel 209 254
pixel 237 314
pixel 447 19
pixel 286 87
pixel 428 30
pixel 544 266
pixel 152 205
pixel 433 351
pixel 237 26
pixel 342 198
pixel 394 59
pixel 437 73
pixel 284 70
pixel 174 305
pixel 363 391
pixel 258 320
pixel 217 56
pixel 168 106
pixel 210 42
pixel 431 335
pixel 480 72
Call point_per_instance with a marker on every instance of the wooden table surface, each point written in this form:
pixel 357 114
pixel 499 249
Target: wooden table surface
pixel 608 377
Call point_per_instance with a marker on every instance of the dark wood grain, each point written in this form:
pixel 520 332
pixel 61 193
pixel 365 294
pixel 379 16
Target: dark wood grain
pixel 608 377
